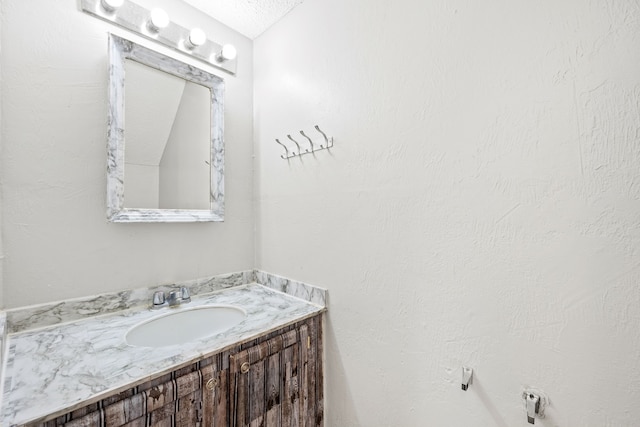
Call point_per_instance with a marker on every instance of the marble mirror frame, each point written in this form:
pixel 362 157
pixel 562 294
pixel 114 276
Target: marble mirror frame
pixel 119 50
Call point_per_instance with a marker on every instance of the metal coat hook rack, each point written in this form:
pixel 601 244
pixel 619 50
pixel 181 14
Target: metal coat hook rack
pixel 324 144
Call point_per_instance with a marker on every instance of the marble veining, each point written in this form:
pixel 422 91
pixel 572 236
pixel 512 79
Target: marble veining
pixel 63 366
pixel 3 336
pixel 43 315
pixel 119 50
pixel 312 294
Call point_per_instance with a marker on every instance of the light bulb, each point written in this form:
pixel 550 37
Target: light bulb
pixel 228 53
pixel 111 5
pixel 196 38
pixel 159 20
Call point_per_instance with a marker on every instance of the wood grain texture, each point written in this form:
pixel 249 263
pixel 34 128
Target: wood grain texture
pixel 291 401
pixel 272 391
pixel 221 399
pixel 319 328
pixel 122 412
pixel 307 381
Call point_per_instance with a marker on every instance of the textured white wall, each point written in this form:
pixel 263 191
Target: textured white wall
pixel 1 180
pixel 57 241
pixel 481 205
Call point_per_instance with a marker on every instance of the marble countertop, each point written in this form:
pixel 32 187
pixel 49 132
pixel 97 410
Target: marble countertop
pixel 57 368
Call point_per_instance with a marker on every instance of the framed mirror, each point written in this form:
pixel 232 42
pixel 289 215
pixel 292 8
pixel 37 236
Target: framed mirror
pixel 165 138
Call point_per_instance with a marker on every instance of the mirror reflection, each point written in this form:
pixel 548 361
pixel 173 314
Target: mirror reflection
pixel 167 140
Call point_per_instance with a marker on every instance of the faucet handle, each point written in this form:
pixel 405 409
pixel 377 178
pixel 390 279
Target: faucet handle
pixel 184 294
pixel 158 299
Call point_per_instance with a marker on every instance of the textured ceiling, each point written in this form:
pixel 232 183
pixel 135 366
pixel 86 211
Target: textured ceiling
pixel 248 17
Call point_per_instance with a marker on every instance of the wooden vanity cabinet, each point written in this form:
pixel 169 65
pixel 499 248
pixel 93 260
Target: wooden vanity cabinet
pixel 278 382
pixel 275 380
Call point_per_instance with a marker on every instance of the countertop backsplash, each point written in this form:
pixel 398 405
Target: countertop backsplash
pixel 309 293
pixel 3 338
pixel 48 314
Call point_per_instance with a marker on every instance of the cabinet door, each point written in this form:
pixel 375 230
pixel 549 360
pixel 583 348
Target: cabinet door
pixel 275 383
pixel 215 402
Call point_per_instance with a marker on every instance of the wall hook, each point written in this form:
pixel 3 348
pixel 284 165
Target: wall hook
pixel 533 407
pixel 535 402
pixel 297 145
pixel 285 149
pixel 467 377
pixel 310 141
pixel 326 140
pixel 313 146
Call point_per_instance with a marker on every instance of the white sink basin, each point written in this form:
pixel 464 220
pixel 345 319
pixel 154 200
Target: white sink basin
pixel 185 325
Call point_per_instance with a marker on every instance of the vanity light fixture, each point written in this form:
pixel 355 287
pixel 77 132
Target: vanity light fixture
pixel 158 20
pixel 227 53
pixel 196 38
pixel 111 5
pixel 154 24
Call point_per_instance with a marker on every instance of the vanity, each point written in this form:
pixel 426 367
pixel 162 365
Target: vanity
pixel 264 370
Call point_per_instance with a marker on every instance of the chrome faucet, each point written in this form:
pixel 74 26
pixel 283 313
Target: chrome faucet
pixel 174 298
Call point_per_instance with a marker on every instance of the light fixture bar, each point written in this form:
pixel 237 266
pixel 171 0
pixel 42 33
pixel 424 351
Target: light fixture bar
pixel 135 18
